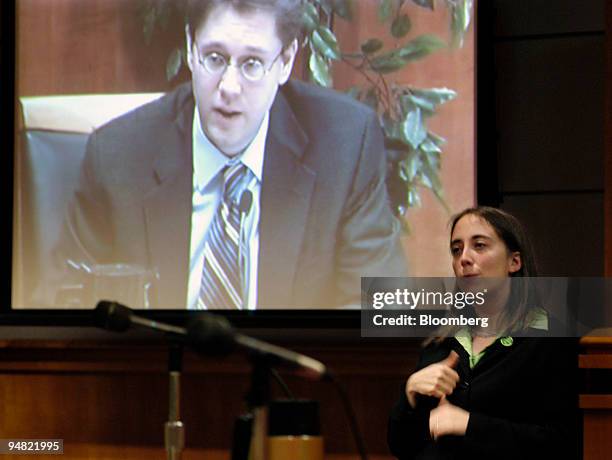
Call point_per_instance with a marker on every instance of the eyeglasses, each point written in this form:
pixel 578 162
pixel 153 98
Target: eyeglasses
pixel 252 69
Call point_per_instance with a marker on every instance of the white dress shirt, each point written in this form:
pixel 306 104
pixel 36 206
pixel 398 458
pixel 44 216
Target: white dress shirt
pixel 208 162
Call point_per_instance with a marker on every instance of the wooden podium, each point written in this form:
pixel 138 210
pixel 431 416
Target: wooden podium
pixel 109 400
pixel 596 403
pixel 106 452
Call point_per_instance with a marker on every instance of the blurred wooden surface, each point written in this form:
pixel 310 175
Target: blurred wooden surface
pixel 106 452
pixel 596 403
pixel 115 394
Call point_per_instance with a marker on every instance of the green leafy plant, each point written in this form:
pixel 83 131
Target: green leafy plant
pixel 413 151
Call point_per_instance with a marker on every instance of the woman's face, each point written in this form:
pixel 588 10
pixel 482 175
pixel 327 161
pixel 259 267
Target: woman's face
pixel 478 251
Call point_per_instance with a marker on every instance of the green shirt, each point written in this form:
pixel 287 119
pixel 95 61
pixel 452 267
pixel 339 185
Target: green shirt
pixel 537 319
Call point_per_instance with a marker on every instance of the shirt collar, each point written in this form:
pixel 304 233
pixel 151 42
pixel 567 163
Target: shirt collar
pixel 208 160
pixel 464 337
pixel 536 318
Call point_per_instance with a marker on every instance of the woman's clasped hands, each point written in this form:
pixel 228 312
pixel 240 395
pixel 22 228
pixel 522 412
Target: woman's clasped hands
pixel 439 380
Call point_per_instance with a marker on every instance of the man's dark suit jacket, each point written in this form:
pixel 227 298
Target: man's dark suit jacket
pixel 325 219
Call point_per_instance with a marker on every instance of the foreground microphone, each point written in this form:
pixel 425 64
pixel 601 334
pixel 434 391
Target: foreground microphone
pixel 208 334
pixel 116 317
pixel 214 335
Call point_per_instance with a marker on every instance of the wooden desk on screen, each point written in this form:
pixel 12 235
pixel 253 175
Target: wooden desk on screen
pixel 596 403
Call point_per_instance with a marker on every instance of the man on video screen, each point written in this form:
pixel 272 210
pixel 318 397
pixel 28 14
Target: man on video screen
pixel 241 190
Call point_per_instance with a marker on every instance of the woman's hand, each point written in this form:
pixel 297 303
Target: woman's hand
pixel 437 380
pixel 448 419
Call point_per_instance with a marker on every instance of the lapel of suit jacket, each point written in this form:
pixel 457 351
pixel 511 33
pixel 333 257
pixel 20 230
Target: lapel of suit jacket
pixel 168 209
pixel 287 187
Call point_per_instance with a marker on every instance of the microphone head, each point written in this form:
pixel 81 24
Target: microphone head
pixel 211 335
pixel 112 316
pixel 246 200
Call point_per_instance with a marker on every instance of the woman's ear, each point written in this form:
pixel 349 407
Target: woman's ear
pixel 515 263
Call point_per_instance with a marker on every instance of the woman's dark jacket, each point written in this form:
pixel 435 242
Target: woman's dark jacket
pixel 522 400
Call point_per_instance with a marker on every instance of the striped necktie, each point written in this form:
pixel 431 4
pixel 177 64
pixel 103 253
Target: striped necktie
pixel 222 274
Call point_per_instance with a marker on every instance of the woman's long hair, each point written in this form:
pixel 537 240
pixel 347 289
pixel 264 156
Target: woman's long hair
pixel 523 296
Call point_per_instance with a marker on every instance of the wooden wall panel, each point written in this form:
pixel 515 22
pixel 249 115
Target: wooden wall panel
pixel 549 127
pixel 596 407
pixel 117 393
pixel 597 440
pixel 92 46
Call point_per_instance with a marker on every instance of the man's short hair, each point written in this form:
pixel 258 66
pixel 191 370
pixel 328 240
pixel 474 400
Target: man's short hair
pixel 288 14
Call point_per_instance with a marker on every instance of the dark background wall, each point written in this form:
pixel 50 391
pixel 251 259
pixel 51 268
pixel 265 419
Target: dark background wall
pixel 545 60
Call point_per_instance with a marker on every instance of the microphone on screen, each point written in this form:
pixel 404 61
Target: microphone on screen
pixel 244 207
pixel 246 200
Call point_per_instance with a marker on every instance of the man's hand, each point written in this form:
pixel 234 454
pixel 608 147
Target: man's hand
pixel 448 419
pixel 437 380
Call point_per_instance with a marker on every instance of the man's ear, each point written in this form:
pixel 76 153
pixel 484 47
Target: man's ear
pixel 515 263
pixel 189 46
pixel 287 60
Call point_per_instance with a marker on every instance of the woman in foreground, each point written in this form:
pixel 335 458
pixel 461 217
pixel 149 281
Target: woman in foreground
pixel 506 391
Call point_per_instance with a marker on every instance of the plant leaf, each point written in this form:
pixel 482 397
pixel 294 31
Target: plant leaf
pixel 461 11
pixel 410 167
pixel 319 70
pixel 310 17
pixel 432 157
pixel 384 10
pixel 430 147
pixel 429 4
pixel 393 129
pixel 436 184
pixel 420 47
pixel 435 96
pixel 413 128
pixel 371 46
pixel 429 174
pixel 438 140
pixel 326 5
pixel 325 43
pixel 412 100
pixel 173 64
pixel 414 198
pixel 387 63
pixel 401 26
pixel 343 8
